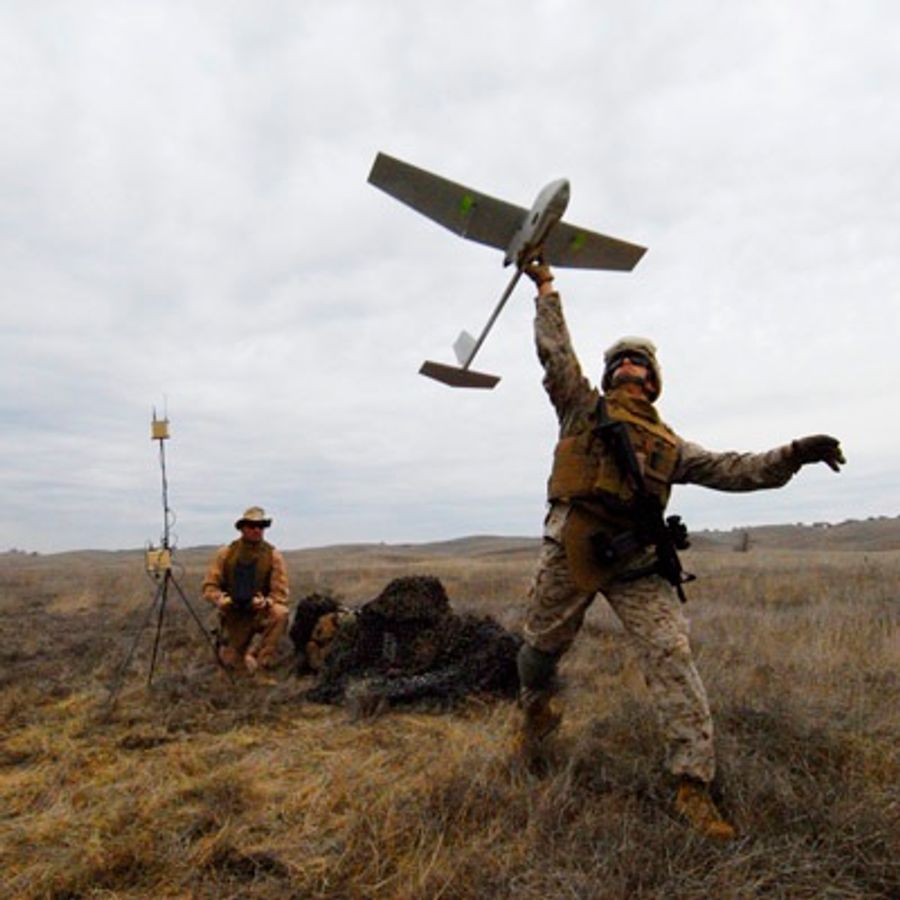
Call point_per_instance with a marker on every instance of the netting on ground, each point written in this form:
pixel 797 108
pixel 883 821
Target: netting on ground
pixel 406 645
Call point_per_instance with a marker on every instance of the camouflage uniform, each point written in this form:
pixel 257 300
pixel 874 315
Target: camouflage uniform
pixel 239 627
pixel 565 586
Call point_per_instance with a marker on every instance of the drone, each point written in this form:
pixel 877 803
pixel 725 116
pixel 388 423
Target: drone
pixel 523 235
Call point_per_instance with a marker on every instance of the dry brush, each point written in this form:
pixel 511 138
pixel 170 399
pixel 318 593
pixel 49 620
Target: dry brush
pixel 199 788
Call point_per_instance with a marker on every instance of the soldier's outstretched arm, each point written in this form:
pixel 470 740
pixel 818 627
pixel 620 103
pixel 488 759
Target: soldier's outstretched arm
pixel 731 471
pixel 563 379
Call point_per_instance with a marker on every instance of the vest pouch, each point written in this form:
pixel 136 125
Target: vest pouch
pixel 572 468
pixel 587 537
pixel 243 587
pixel 608 481
pixel 610 550
pixel 658 463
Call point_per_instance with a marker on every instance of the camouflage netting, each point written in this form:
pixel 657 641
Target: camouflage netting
pixel 408 645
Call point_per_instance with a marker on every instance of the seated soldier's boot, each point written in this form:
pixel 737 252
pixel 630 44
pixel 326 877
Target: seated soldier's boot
pixel 228 656
pixel 259 666
pixel 693 803
pixel 541 715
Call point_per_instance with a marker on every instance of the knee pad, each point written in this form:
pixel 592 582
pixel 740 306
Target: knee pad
pixel 537 669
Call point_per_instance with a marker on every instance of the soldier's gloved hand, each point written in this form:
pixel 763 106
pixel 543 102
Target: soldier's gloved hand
pixel 223 601
pixel 538 271
pixel 818 448
pixel 678 530
pixel 259 602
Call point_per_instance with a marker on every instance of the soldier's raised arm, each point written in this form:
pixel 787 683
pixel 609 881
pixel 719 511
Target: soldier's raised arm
pixel 563 379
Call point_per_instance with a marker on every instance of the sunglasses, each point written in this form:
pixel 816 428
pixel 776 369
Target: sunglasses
pixel 635 356
pixel 252 525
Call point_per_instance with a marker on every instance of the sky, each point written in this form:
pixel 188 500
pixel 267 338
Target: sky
pixel 185 225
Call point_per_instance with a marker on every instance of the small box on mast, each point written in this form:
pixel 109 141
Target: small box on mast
pixel 159 428
pixel 157 560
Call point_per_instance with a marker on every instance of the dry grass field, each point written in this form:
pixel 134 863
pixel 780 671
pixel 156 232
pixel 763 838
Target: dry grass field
pixel 197 788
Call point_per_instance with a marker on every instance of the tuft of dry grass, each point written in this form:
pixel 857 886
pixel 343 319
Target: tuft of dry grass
pixel 200 788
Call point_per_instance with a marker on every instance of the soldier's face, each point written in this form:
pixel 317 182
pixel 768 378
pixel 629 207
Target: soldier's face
pixel 632 374
pixel 627 367
pixel 252 533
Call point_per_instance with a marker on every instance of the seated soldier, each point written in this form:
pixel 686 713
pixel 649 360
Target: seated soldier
pixel 247 582
pixel 317 620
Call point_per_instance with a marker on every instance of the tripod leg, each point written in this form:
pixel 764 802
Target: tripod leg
pixel 116 685
pixel 203 629
pixel 164 588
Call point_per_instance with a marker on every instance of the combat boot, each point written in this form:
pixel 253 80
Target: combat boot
pixel 693 803
pixel 540 717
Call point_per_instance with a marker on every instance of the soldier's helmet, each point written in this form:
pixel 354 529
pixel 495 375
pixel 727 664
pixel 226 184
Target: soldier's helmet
pixel 622 347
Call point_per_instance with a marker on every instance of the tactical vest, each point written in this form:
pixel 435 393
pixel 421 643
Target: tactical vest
pixel 585 469
pixel 248 563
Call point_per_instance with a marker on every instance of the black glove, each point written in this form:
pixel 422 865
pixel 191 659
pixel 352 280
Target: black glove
pixel 818 448
pixel 538 271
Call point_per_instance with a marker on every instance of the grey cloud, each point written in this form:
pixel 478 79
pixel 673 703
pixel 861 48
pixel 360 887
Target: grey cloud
pixel 185 215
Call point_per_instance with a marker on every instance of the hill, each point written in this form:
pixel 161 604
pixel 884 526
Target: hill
pixel 882 533
pixel 866 535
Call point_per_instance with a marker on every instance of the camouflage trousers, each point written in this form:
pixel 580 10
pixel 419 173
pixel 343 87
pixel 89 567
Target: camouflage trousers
pixel 238 629
pixel 651 613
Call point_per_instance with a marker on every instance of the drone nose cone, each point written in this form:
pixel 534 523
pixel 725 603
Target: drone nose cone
pixel 560 196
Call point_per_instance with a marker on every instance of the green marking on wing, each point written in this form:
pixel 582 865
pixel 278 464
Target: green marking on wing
pixel 578 241
pixel 466 205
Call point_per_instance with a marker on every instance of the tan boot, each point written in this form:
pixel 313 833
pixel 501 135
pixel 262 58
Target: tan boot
pixel 692 802
pixel 229 657
pixel 541 716
pixel 251 664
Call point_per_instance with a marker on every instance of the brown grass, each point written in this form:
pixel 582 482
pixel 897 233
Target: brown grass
pixel 197 788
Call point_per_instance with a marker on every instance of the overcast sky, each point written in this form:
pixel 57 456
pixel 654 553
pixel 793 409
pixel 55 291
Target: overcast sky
pixel 185 223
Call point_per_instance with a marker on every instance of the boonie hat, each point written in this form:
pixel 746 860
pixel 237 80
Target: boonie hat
pixel 255 515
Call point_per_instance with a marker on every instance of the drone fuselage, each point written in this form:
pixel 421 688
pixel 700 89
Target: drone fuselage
pixel 547 210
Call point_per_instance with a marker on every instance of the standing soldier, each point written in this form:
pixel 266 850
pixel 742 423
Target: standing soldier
pixel 613 468
pixel 247 582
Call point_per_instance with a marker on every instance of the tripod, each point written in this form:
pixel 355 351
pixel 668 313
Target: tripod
pixel 159 567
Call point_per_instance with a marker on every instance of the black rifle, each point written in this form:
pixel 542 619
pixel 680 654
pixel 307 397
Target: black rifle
pixel 666 535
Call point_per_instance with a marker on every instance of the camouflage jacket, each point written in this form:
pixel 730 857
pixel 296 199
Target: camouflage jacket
pixel 573 396
pixel 214 581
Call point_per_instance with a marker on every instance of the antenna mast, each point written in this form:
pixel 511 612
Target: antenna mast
pixel 159 432
pixel 158 562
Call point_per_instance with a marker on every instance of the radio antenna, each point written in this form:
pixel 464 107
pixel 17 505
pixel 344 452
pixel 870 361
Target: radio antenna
pixel 158 562
pixel 159 432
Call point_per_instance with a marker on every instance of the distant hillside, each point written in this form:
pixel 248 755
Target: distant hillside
pixel 473 546
pixel 881 533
